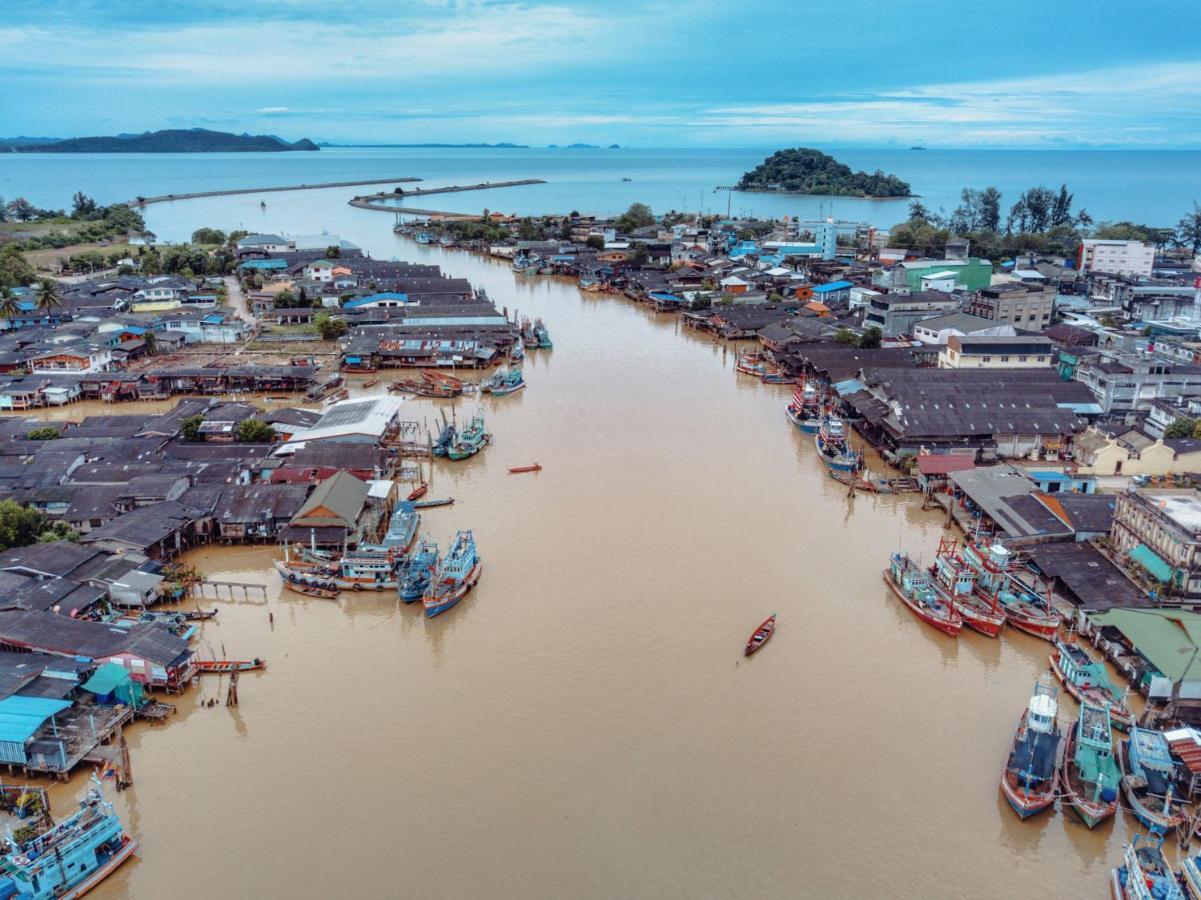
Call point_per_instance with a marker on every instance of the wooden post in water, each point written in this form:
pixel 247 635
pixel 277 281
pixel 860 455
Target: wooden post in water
pixel 125 770
pixel 231 698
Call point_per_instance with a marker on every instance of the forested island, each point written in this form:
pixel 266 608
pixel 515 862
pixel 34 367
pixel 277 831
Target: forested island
pixel 173 140
pixel 803 170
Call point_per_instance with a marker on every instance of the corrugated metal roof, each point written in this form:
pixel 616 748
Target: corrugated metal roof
pixel 21 717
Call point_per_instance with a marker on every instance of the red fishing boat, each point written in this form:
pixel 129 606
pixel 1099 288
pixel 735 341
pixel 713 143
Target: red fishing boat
pixel 995 582
pixel 519 469
pixel 418 492
pixel 225 666
pixel 955 582
pixel 912 587
pixel 761 635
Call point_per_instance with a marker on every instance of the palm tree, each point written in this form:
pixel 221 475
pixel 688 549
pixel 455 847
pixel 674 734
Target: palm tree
pixel 48 295
pixel 9 306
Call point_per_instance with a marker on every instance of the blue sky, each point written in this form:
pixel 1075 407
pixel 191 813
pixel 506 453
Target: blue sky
pixel 652 74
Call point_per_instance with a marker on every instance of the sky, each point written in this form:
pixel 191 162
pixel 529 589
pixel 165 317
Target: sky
pixel 1025 73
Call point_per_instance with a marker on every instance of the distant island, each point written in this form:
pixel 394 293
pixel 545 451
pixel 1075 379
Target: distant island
pixel 174 140
pixel 803 170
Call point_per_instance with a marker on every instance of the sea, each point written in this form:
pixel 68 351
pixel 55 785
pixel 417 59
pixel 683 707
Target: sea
pixel 1149 187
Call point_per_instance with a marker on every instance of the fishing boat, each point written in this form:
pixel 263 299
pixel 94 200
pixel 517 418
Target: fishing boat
pixel 1145 873
pixel 956 583
pixel 225 666
pixel 761 635
pixel 589 285
pixel 1087 681
pixel 471 440
pixel 517 470
pixel 804 410
pixel 1090 773
pixel 417 570
pixel 418 492
pixel 516 354
pixel 402 530
pixel 365 569
pixel 336 396
pixel 1190 869
pixel 1148 780
pixel 428 504
pixel 503 382
pixel 542 335
pixel 528 338
pixel 423 237
pixel 446 438
pixel 832 447
pixel 1030 776
pixel 1025 610
pixel 750 363
pixel 71 858
pixel 456 575
pixel 912 586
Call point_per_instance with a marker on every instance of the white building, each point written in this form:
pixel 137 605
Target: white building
pixel 990 352
pixel 1116 257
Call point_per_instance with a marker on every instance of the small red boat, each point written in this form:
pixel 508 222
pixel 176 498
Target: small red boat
pixel 225 666
pixel 418 492
pixel 761 635
pixel 518 469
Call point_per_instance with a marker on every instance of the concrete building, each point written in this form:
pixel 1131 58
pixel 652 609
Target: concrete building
pixel 937 330
pixel 1116 257
pixel 1160 532
pixel 1131 382
pixel 896 314
pixel 994 352
pixel 1023 305
pixel 970 274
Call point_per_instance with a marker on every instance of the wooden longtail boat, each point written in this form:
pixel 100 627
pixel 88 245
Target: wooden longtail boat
pixel 426 504
pixel 1031 773
pixel 225 666
pixel 198 615
pixel 517 470
pixel 311 590
pixel 371 383
pixel 418 492
pixel 761 635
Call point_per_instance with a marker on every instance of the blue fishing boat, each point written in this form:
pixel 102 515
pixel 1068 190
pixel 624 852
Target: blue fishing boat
pixel 402 528
pixel 1149 780
pixel 456 575
pixel 1145 873
pixel 423 237
pixel 832 446
pixel 471 440
pixel 446 439
pixel 1030 776
pixel 508 381
pixel 1087 681
pixel 72 857
pixel 1191 870
pixel 516 354
pixel 1091 774
pixel 542 335
pixel 417 570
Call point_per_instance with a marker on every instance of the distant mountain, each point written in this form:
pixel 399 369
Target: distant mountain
pixel 22 141
pixel 804 170
pixel 175 140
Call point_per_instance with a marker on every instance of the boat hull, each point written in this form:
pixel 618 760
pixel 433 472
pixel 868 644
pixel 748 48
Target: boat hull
pixel 442 602
pixel 508 389
pixel 1121 719
pixel 1155 820
pixel 114 862
pixel 949 626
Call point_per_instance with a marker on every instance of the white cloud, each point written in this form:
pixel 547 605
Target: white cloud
pixel 272 109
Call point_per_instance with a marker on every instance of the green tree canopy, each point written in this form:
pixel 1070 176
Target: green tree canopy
pixel 189 428
pixel 45 433
pixel 639 215
pixel 252 431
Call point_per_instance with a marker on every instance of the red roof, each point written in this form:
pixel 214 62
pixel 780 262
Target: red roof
pixel 944 463
pixel 1187 750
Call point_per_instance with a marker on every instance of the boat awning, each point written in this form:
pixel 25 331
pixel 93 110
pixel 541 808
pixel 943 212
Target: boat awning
pixel 21 717
pixel 1149 560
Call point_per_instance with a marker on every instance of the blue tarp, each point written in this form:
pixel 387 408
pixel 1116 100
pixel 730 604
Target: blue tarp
pixel 20 717
pixel 1149 560
pixel 832 287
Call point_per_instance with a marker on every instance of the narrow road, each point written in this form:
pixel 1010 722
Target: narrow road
pixel 237 300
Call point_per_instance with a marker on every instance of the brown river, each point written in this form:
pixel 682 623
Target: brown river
pixel 583 724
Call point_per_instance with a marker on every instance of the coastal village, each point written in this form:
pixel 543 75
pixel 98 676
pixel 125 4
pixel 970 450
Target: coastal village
pixel 1049 406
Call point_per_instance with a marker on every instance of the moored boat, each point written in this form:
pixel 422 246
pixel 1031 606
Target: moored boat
pixel 446 439
pixel 456 575
pixel 760 636
pixel 72 857
pixel 428 504
pixel 225 666
pixel 336 396
pixel 542 335
pixel 1148 780
pixel 912 586
pixel 955 582
pixel 832 446
pixel 418 492
pixel 417 570
pixel 517 470
pixel 1087 681
pixel 503 382
pixel 1030 776
pixel 471 440
pixel 1145 873
pixel 1025 610
pixel 365 569
pixel 1090 773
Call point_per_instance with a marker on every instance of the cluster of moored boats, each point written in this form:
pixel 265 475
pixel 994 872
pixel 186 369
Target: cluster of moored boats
pixel 401 563
pixel 809 411
pixel 457 442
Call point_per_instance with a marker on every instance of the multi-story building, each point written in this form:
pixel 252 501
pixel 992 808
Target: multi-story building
pixel 1160 531
pixel 1116 257
pixel 1131 382
pixel 995 352
pixel 969 274
pixel 896 314
pixel 1028 306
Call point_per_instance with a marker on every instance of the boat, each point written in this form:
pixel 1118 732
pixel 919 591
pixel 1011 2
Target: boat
pixel 369 568
pixel 417 570
pixel 804 410
pixel 402 531
pixel 832 447
pixel 528 338
pixel 423 237
pixel 912 586
pixel 1025 610
pixel 1030 776
pixel 1087 681
pixel 199 615
pixel 503 382
pixel 370 383
pixel 317 391
pixel 72 857
pixel 418 492
pixel 1190 869
pixel 750 362
pixel 1148 780
pixel 517 470
pixel 446 439
pixel 336 396
pixel 428 504
pixel 1145 873
pixel 471 440
pixel 542 335
pixel 423 387
pixel 775 376
pixel 956 583
pixel 1090 774
pixel 313 589
pixel 516 354
pixel 761 635
pixel 627 179
pixel 456 575
pixel 225 666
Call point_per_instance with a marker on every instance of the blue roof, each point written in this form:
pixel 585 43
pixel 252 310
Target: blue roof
pixel 20 717
pixel 1049 475
pixel 264 264
pixel 374 298
pixel 215 319
pixel 832 287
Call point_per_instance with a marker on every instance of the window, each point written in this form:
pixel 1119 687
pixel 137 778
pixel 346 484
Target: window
pixel 986 359
pixel 1021 359
pixel 1004 359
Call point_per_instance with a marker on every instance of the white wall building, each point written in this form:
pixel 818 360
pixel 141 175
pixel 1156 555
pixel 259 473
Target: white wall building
pixel 1116 257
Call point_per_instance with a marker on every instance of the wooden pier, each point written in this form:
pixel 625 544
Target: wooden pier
pixel 199 591
pixel 75 735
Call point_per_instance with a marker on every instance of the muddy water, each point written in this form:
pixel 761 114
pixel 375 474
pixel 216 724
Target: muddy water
pixel 583 723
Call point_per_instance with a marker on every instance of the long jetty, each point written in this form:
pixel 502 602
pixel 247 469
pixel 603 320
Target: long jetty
pixel 375 201
pixel 196 195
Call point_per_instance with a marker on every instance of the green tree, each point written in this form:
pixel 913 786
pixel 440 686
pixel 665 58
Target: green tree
pixel 45 433
pixel 9 306
pixel 57 531
pixel 49 297
pixel 329 328
pixel 82 206
pixel 639 215
pixel 333 251
pixel 15 269
pixel 1188 230
pixel 918 211
pixel 189 428
pixel 20 525
pixel 1181 427
pixel 844 335
pixel 871 337
pixel 252 431
pixel 595 241
pixel 151 341
pixel 990 209
pixel 208 236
